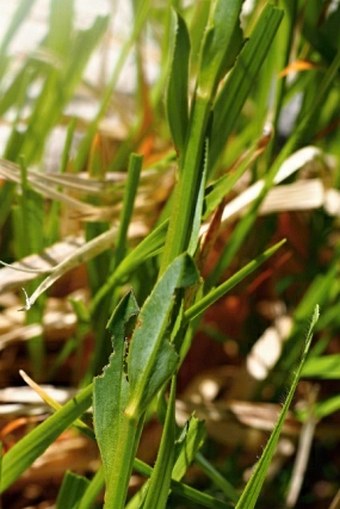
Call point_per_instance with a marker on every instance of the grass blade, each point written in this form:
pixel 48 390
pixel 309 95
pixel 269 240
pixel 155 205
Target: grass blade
pixel 233 95
pixel 72 489
pixel 159 484
pixel 135 166
pixel 252 490
pixel 216 293
pixel 28 449
pixel 178 88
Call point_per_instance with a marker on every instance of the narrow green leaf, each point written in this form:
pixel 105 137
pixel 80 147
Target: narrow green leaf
pixel 147 248
pixel 111 389
pixel 60 27
pixel 19 16
pixel 28 449
pixel 220 482
pixel 186 448
pixel 140 18
pixel 188 445
pixel 327 407
pixel 197 497
pixel 197 219
pixel 178 88
pixel 198 25
pixel 252 490
pixel 116 435
pixel 62 78
pixel 222 289
pixel 92 491
pixel 326 367
pixel 71 491
pixel 134 169
pixel 152 359
pixel 240 82
pixel 188 186
pixel 221 45
pixel 159 484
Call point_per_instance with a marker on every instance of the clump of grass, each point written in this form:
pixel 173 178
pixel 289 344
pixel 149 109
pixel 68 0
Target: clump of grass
pixel 149 268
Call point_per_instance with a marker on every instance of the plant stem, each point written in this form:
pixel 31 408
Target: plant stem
pixel 117 485
pixel 186 191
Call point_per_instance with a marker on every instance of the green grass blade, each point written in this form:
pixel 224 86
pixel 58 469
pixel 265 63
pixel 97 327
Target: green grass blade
pixel 186 448
pixel 197 218
pixel 306 126
pixel 60 83
pixel 222 43
pixel 159 484
pixel 216 293
pixel 188 444
pixel 19 16
pixel 178 87
pixel 220 47
pixel 60 27
pixel 71 490
pixel 240 82
pixel 92 491
pixel 141 16
pixel 327 407
pixel 28 449
pixel 135 166
pixel 197 497
pixel 187 189
pixel 252 490
pixel 147 248
pixel 219 481
pixel 326 367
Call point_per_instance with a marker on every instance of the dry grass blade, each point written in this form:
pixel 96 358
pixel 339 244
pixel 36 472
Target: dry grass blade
pixel 22 272
pixel 108 190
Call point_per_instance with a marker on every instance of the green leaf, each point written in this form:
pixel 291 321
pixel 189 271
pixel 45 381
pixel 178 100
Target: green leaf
pixel 188 445
pixel 241 80
pixel 159 484
pixel 113 429
pixel 19 16
pixel 252 490
pixel 60 82
pixel 197 219
pixel 28 449
pixel 327 407
pixel 221 45
pixel 92 491
pixel 225 486
pixel 152 359
pixel 147 248
pixel 178 89
pixel 134 169
pixel 326 367
pixel 72 489
pixel 60 27
pixel 218 292
pixel 111 389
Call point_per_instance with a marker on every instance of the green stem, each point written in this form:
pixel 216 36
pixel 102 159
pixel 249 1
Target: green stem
pixel 118 483
pixel 187 189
